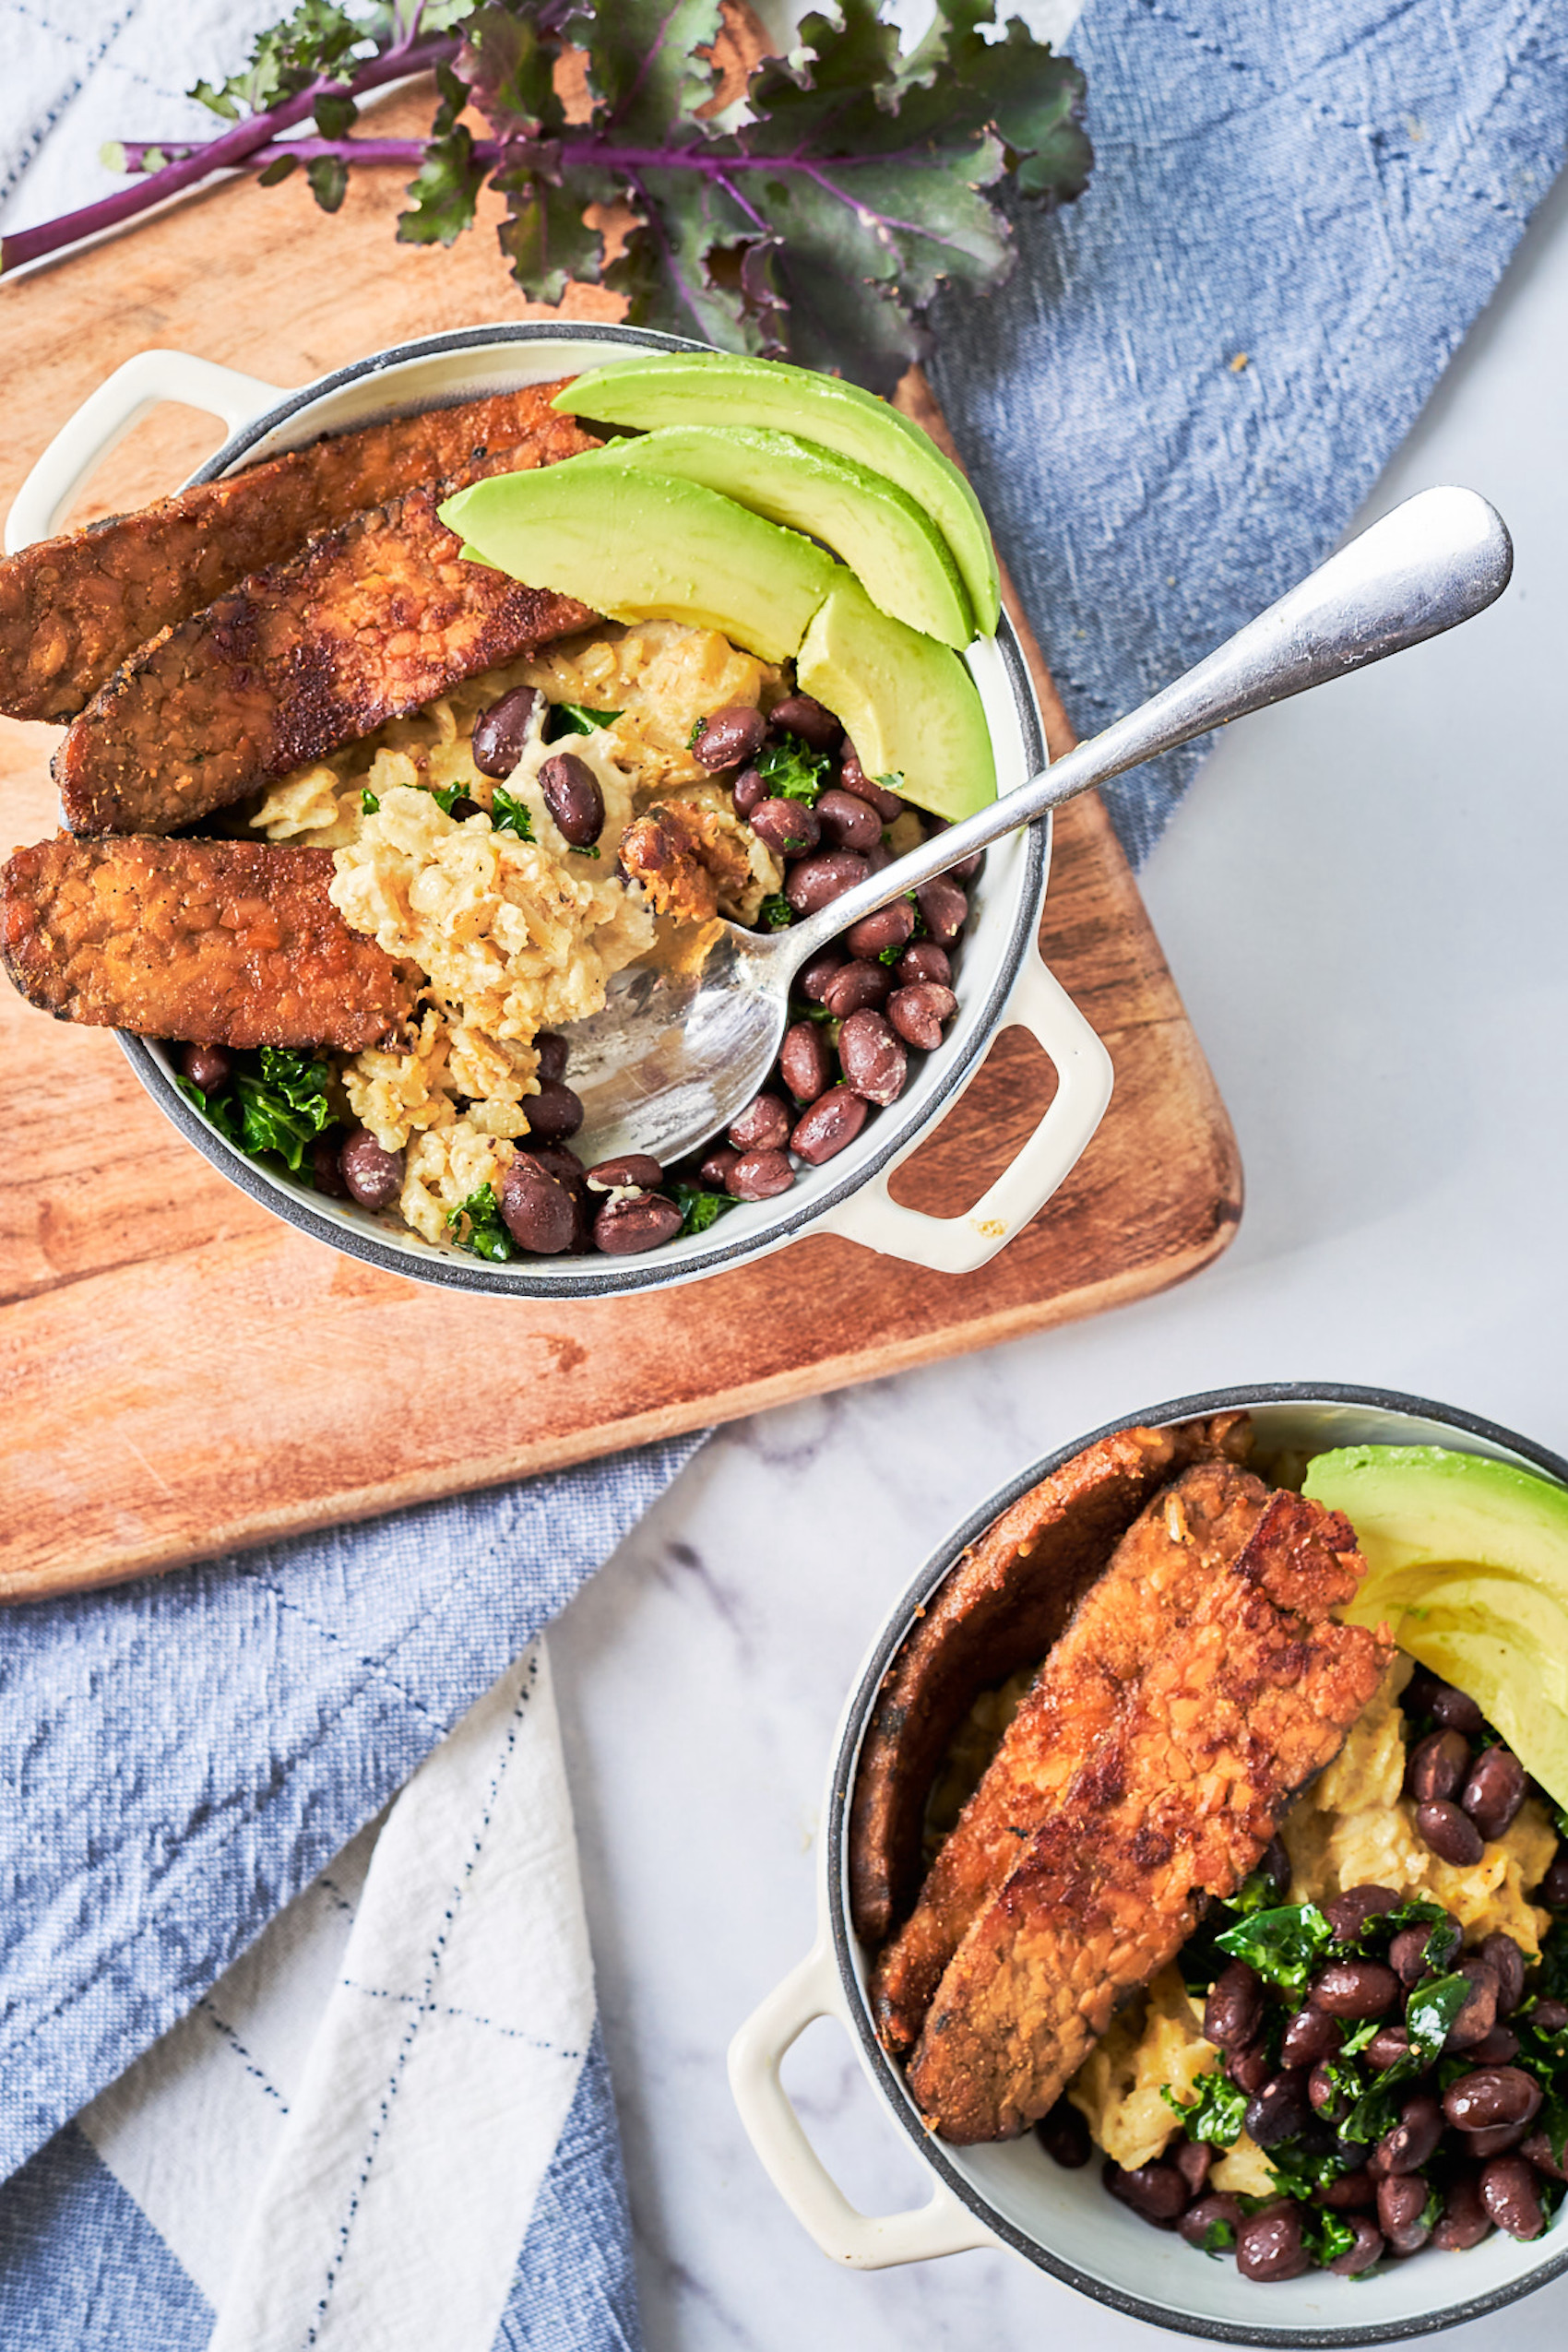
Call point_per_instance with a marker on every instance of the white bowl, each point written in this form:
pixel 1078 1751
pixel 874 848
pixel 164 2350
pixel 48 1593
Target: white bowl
pixel 1012 2194
pixel 1002 981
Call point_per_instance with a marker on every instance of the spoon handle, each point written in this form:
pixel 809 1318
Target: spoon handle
pixel 1439 559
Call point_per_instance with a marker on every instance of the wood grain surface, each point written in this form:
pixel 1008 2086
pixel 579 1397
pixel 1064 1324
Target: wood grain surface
pixel 180 1374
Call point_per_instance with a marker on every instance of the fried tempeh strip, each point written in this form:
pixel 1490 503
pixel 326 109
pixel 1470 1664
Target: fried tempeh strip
pixel 1155 1578
pixel 73 609
pixel 368 621
pixel 1175 1802
pixel 685 859
pixel 1000 1608
pixel 220 942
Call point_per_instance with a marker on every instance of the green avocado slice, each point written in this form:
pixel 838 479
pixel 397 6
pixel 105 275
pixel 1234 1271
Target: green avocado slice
pixel 1468 1560
pixel 640 546
pixel 722 389
pixel 910 706
pixel 900 558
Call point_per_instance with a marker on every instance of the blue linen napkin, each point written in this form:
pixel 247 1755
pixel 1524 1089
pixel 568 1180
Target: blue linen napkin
pixel 1195 376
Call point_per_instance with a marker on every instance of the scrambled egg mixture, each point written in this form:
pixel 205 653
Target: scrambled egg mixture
pixel 514 936
pixel 1353 1827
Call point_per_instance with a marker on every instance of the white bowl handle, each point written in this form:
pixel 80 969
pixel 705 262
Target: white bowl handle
pixel 866 2242
pixel 960 1244
pixel 107 415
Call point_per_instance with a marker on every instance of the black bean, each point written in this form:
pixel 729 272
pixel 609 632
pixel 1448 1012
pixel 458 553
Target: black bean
pixel 1350 2191
pixel 1401 2201
pixel 1156 2191
pixel 462 809
pixel 853 778
pixel 536 1207
pixel 500 733
pixel 1494 1792
pixel 715 1169
pixel 889 927
pixel 875 1064
pixel 374 1176
pixel 847 821
pixel 817 881
pixel 1209 2211
pixel 1367 2249
pixel 945 907
pixel 764 1125
pixel 1279 2110
pixel 1355 1988
pixel 553 1113
pixel 1538 2148
pixel 1511 2196
pixel 918 1013
pixel 1438 1765
pixel 1064 2135
pixel 560 1158
pixel 923 961
pixel 1407 1954
pixel 1413 2138
pixel 732 734
pixel 1452 1835
pixel 806 1061
pixel 206 1066
pixel 802 715
pixel 1550 2016
pixel 854 987
pixel 1348 1913
pixel 1193 2160
pixel 1310 2035
pixel 812 979
pixel 1491 2095
pixel 1250 2069
pixel 759 1176
pixel 1496 2048
pixel 833 1121
pixel 552 1050
pixel 1478 2015
pixel 1387 2046
pixel 1233 2011
pixel 747 790
pixel 1496 2141
pixel 572 795
pixel 1553 1888
pixel 1505 1960
pixel 788 826
pixel 1325 2097
pixel 1417 1696
pixel 327 1165
pixel 1464 2221
pixel 1270 2245
pixel 638 1168
pixel 641 1221
pixel 1275 1866
pixel 1455 1710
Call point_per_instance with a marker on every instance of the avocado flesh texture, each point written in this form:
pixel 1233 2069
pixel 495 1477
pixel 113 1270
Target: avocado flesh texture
pixel 638 546
pixel 720 388
pixel 900 559
pixel 909 705
pixel 1468 1560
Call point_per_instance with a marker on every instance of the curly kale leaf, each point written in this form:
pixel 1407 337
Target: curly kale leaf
pixel 445 190
pixel 275 1102
pixel 700 1208
pixel 476 1225
pixel 1284 1944
pixel 508 814
pixel 1216 2113
pixel 793 771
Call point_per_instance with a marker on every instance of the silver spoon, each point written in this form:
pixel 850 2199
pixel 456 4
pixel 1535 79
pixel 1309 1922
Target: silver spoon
pixel 675 1056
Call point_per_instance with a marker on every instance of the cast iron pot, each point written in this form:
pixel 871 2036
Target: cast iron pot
pixel 1002 981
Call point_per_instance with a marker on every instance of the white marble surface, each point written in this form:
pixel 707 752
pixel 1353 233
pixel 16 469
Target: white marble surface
pixel 1362 902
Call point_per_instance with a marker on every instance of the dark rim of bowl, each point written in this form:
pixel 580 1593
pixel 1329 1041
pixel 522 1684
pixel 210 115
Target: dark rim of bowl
pixel 597 1277
pixel 890 2081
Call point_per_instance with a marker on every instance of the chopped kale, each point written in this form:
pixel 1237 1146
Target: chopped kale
pixel 1298 2174
pixel 275 1102
pixel 777 912
pixel 453 801
pixel 1216 2114
pixel 369 804
pixel 793 771
pixel 476 1225
pixel 700 1208
pixel 1220 2236
pixel 1431 2012
pixel 578 719
pixel 508 814
pixel 1284 1944
pixel 1326 2236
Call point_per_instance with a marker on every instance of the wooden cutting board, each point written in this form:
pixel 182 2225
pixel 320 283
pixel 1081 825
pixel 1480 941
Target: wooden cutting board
pixel 179 1372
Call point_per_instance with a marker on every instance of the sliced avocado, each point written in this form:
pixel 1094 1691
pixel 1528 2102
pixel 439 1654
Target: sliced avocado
pixel 900 558
pixel 909 704
pixel 1468 1560
pixel 720 388
pixel 638 546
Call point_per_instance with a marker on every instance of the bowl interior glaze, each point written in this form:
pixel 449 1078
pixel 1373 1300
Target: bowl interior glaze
pixel 1064 2222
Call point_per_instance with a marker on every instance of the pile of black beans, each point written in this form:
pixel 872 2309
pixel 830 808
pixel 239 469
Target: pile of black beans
pixel 1380 2149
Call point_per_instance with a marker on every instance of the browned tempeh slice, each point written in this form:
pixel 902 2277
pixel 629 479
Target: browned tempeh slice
pixel 1228 1716
pixel 370 619
pixel 999 1610
pixel 685 859
pixel 73 609
pixel 222 942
